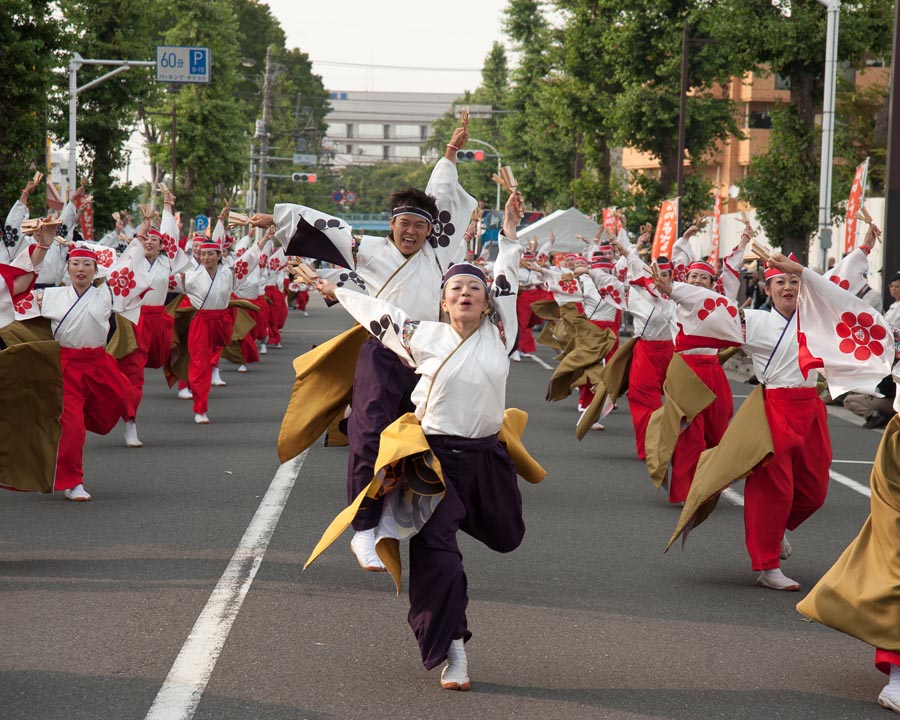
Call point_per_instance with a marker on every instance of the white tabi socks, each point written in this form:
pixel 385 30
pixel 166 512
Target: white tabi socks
pixel 890 696
pixel 455 675
pixel 777 580
pixel 363 546
pixel 217 380
pixel 131 436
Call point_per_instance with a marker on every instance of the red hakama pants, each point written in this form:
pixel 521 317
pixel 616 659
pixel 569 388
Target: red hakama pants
pixel 95 396
pixel 885 658
pixel 301 299
pixel 277 313
pixel 154 343
pixel 705 430
pixel 209 332
pixel 586 396
pixel 785 491
pixel 649 362
pixel 527 318
pixel 261 330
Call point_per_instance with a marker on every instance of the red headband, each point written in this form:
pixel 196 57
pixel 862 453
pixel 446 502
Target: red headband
pixel 700 266
pixel 83 252
pixel 775 272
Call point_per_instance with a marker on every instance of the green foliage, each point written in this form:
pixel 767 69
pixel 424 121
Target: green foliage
pixel 29 36
pixel 779 184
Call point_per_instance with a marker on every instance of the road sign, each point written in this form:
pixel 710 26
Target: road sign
pixel 305 159
pixel 350 197
pixel 201 222
pixel 337 196
pixel 175 64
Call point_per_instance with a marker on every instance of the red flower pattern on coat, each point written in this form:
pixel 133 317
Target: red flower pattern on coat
pixel 862 338
pixel 241 269
pixel 169 246
pixel 843 284
pixel 710 305
pixel 24 304
pixel 122 282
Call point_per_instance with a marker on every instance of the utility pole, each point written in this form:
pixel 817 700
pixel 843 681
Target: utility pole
pixel 262 131
pixel 825 174
pixel 891 243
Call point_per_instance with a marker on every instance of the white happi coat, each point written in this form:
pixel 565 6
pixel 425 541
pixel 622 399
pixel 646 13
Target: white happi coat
pixel 654 315
pixel 771 342
pixel 213 293
pixel 462 390
pixel 78 321
pixel 411 284
pixel 18 213
pixel 160 270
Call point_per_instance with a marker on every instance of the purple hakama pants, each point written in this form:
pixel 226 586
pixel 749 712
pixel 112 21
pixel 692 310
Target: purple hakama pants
pixel 483 500
pixel 382 386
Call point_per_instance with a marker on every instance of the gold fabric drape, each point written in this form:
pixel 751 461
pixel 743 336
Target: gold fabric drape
pixel 685 397
pixel 321 391
pixel 32 392
pixel 613 382
pixel 860 594
pixel 746 443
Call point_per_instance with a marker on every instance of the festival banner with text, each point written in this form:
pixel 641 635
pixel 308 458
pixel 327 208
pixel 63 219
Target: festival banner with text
pixel 857 193
pixel 87 220
pixel 666 229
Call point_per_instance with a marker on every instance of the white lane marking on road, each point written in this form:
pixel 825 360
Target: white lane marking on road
pixel 733 496
pixel 183 687
pixel 852 484
pixel 854 462
pixel 541 362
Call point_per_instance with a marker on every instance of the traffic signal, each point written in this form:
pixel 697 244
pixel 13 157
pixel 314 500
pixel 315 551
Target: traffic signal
pixel 465 155
pixel 303 177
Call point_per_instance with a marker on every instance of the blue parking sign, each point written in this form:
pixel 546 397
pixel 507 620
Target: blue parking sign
pixel 198 61
pixel 201 222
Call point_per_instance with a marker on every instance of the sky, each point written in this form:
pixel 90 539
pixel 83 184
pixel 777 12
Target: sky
pixel 439 46
pixel 425 46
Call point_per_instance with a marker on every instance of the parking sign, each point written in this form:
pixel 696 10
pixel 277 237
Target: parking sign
pixel 175 64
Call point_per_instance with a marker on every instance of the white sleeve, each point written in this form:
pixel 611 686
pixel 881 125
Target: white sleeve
pixel 305 232
pixel 387 323
pixel 506 287
pixel 455 208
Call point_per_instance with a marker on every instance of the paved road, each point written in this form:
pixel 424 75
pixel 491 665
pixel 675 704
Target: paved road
pixel 587 619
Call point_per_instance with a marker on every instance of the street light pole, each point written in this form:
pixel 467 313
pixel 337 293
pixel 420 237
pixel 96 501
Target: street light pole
pixel 891 247
pixel 831 46
pixel 499 163
pixel 75 63
pixel 263 133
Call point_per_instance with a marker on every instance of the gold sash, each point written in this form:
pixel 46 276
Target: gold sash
pixel 613 381
pixel 746 443
pixel 686 396
pixel 123 342
pixel 860 594
pixel 404 439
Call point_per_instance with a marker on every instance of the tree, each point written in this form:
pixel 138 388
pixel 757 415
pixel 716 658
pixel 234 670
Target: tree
pixel 30 40
pixel 788 38
pixel 123 30
pixel 212 126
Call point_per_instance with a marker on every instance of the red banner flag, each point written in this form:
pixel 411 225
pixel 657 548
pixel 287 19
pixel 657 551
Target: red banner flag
pixel 666 229
pixel 611 221
pixel 87 220
pixel 857 191
pixel 717 222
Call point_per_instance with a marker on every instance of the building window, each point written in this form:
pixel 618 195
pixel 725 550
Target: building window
pixel 385 151
pixel 406 132
pixel 759 120
pixel 349 130
pixel 387 132
pixel 370 130
pixel 782 83
pixel 373 151
pixel 407 152
pixel 349 150
pixel 423 132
